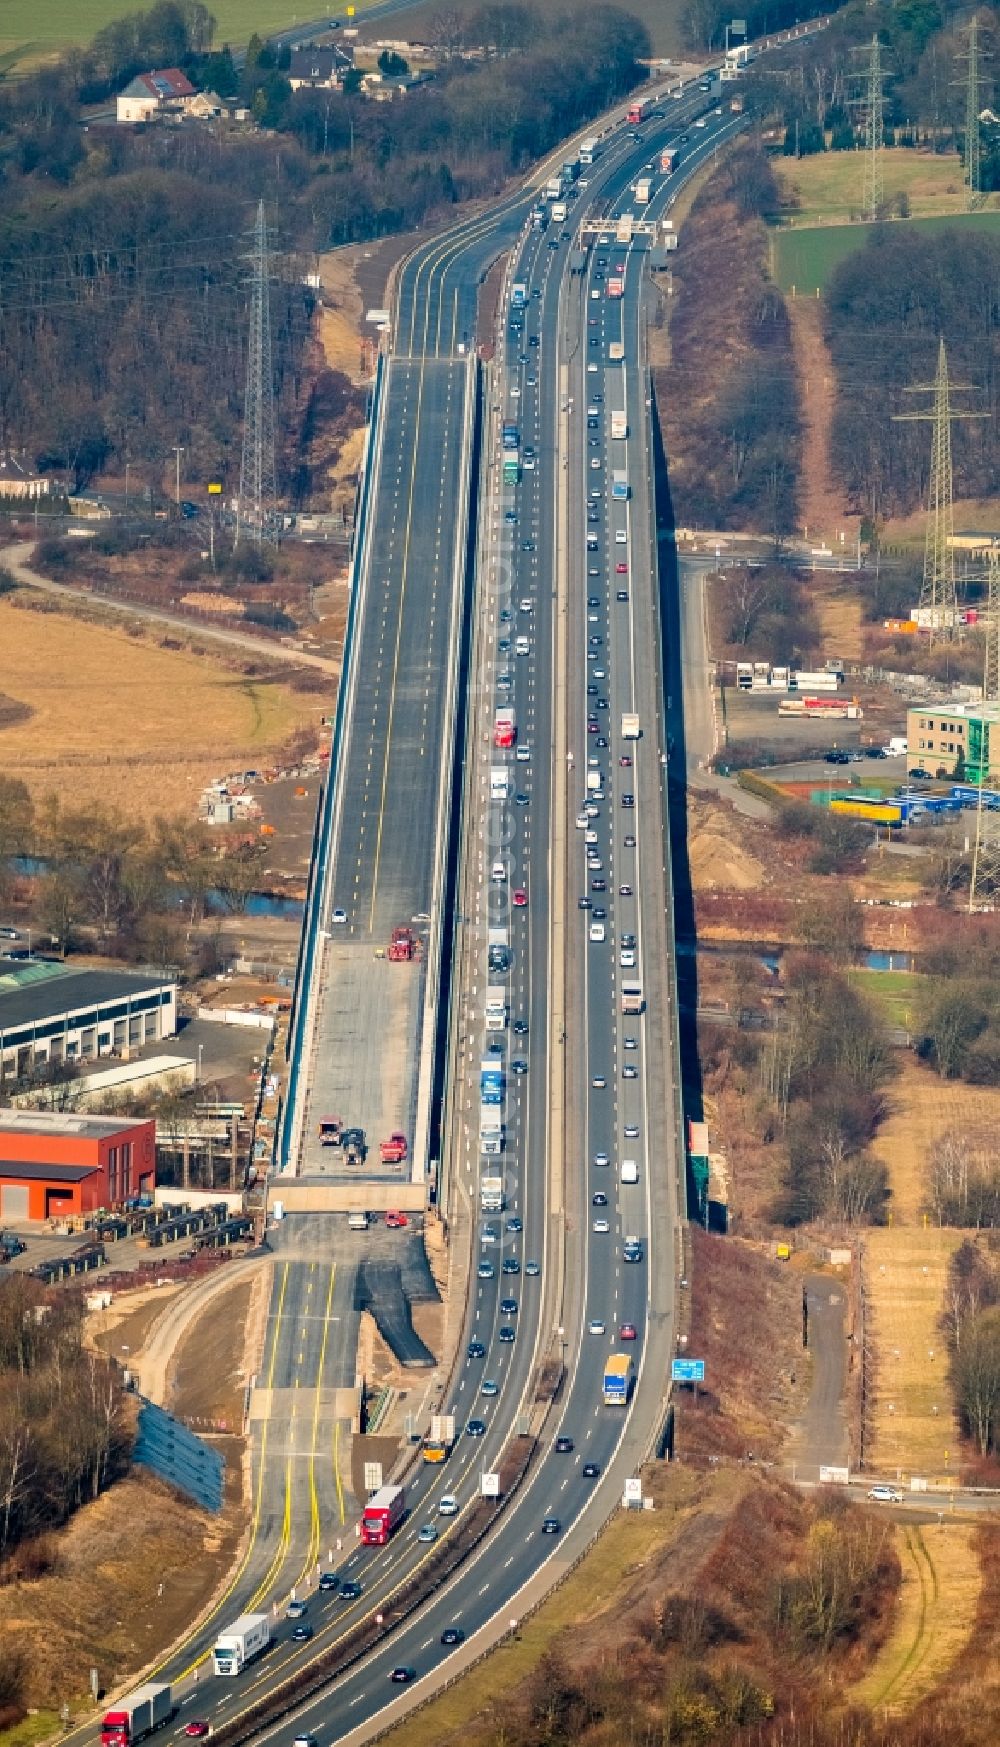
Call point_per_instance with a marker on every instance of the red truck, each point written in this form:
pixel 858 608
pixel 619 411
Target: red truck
pixel 382 1516
pixel 393 1151
pixel 636 113
pixel 149 1707
pixel 504 728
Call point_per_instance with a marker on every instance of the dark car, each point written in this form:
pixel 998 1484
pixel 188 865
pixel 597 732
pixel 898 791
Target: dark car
pixel 520 1027
pixel 329 1581
pixel 551 1526
pixel 628 800
pixel 350 1591
pixel 518 1066
pixel 564 1446
pixel 622 594
pixel 476 1350
pixel 921 773
pixel 837 757
pixel 507 1335
pixel 453 1635
pixel 876 752
pixel 402 1676
pixel 590 1470
pixel 302 1633
pixel 599 1199
pixel 476 1428
pixel 508 1307
pixel 511 1265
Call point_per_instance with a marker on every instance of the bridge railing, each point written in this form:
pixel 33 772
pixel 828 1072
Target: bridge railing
pixel 306 962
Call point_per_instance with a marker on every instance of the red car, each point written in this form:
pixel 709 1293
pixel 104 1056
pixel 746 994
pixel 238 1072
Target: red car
pixel 627 1332
pixel 625 761
pixel 520 898
pixel 395 1220
pixel 621 569
pixel 196 1730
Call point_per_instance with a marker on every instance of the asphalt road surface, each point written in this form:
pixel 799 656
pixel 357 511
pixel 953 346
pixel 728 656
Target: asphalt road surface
pixel 822 1438
pixel 299 1508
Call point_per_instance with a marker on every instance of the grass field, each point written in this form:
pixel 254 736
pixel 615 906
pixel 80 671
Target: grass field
pixel 802 260
pixel 923 1107
pixel 906 1270
pixel 118 719
pixel 611 1570
pixel 828 185
pixel 935 1614
pixel 896 994
pixel 661 18
pixel 29 32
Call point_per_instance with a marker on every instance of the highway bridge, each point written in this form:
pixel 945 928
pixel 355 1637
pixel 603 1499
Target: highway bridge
pixel 455 567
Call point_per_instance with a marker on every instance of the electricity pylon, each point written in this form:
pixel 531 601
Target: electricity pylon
pixel 872 102
pixel 256 516
pixel 985 880
pixel 972 157
pixel 938 589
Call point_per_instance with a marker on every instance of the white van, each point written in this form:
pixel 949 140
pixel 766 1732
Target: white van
pixel 499 873
pixel 629 1171
pixel 597 931
pixel 357 1222
pixel 499 783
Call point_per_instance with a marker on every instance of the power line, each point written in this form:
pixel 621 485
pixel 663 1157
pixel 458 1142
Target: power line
pixel 872 101
pixel 972 152
pixel 985 879
pixel 938 597
pixel 256 515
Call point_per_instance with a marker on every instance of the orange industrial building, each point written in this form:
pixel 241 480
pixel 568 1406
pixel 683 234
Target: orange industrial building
pixel 57 1166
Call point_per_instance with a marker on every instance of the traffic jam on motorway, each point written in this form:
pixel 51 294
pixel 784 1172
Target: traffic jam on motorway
pixel 608 486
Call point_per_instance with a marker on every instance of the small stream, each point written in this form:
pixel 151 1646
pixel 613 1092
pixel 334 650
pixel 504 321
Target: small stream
pixel 770 956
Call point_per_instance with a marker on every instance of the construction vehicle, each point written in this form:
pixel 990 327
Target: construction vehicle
pixel 437 1444
pixel 393 1151
pixel 402 946
pixel 331 1130
pixel 353 1142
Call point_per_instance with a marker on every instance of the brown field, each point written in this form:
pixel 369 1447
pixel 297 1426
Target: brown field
pixel 906 1268
pixel 821 507
pixel 116 717
pixel 973 515
pixel 133 1605
pixel 913 1422
pixel 935 1615
pixel 922 1107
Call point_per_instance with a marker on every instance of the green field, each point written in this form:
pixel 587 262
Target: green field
pixel 661 18
pixel 31 32
pixel 803 259
pixel 896 994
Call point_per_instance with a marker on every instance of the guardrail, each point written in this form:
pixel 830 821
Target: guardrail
pixel 306 960
pixel 432 1042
